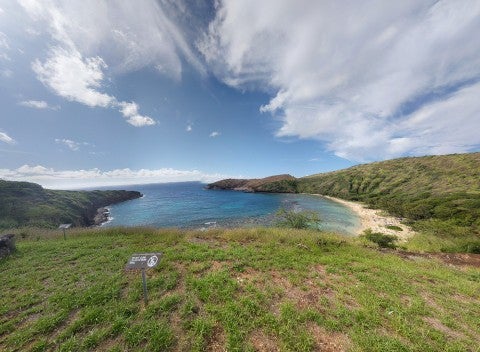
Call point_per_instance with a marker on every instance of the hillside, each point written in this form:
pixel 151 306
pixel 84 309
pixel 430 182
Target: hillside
pixel 29 204
pixel 439 195
pixel 233 290
pixel 276 184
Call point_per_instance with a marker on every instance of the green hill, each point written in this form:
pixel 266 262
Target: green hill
pixel 29 204
pixel 233 290
pixel 438 195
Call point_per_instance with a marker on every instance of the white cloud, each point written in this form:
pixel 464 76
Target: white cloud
pixel 128 35
pixel 214 134
pixel 72 145
pixel 349 73
pixel 189 128
pixel 38 104
pixel 4 41
pixel 58 179
pixel 6 138
pixel 73 77
pixel 4 47
pixel 130 112
pixel 6 73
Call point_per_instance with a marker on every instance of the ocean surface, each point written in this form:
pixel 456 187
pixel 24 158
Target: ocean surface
pixel 189 205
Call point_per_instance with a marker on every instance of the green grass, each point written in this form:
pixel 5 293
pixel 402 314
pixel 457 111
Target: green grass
pixel 236 290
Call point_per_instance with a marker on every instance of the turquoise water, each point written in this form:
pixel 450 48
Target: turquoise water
pixel 189 205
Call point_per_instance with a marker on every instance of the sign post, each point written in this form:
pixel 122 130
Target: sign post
pixel 143 261
pixel 64 227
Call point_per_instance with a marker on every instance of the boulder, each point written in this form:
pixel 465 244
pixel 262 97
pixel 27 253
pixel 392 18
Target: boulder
pixel 7 245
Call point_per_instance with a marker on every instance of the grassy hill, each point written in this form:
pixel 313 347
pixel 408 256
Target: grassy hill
pixel 28 204
pixel 234 290
pixel 440 195
pixel 276 184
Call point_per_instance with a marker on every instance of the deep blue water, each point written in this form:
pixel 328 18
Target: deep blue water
pixel 189 205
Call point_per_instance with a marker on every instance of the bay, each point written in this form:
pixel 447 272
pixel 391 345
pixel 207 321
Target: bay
pixel 189 205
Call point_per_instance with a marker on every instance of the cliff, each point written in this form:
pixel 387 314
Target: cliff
pixel 29 204
pixel 273 184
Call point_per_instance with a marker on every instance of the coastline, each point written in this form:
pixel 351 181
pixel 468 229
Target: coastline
pixel 372 219
pixel 101 217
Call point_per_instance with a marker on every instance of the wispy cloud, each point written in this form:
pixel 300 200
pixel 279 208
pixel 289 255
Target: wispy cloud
pixel 38 104
pixel 356 75
pixel 52 178
pixel 72 145
pixel 214 134
pixel 6 138
pixel 189 128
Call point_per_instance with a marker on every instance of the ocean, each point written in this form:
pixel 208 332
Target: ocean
pixel 189 205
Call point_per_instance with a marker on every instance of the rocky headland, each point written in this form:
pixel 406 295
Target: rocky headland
pixel 273 184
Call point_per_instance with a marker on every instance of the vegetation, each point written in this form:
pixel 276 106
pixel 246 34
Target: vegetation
pixel 382 240
pixel 28 204
pixel 234 290
pixel 297 220
pixel 439 196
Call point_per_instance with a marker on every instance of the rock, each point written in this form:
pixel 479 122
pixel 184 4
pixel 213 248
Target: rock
pixel 7 245
pixel 101 216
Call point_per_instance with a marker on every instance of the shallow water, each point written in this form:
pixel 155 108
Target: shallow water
pixel 189 205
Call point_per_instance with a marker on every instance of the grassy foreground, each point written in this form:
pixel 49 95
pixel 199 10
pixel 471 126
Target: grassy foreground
pixel 235 290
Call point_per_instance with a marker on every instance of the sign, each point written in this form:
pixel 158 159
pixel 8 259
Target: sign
pixel 143 261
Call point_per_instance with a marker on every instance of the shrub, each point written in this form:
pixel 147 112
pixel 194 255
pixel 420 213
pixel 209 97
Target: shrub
pixel 382 240
pixel 394 227
pixel 297 220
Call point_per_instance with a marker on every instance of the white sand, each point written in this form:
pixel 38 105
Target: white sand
pixel 374 220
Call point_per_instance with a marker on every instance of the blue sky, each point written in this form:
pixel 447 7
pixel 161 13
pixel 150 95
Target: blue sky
pixel 105 93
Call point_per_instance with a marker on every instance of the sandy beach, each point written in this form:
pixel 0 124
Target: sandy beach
pixel 374 220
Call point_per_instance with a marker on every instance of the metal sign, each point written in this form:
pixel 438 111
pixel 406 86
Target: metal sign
pixel 143 260
pixel 64 227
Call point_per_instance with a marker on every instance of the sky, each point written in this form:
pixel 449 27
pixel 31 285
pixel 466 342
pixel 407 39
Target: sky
pixel 96 93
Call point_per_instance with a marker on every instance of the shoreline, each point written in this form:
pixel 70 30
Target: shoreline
pixel 372 219
pixel 101 217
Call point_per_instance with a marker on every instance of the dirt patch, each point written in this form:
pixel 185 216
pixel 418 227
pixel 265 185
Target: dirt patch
pixel 262 342
pixel 456 259
pixel 430 301
pixel 437 325
pixel 217 266
pixel 248 275
pixel 327 341
pixel 216 343
pixel 109 344
pixel 305 296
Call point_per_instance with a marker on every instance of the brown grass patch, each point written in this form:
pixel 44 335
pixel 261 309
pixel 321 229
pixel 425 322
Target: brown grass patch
pixel 437 325
pixel 328 341
pixel 216 342
pixel 262 342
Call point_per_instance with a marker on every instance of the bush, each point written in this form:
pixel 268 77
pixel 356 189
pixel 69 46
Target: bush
pixel 383 241
pixel 297 220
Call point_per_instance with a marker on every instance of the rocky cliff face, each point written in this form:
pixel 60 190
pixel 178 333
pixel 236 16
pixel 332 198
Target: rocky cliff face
pixel 273 184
